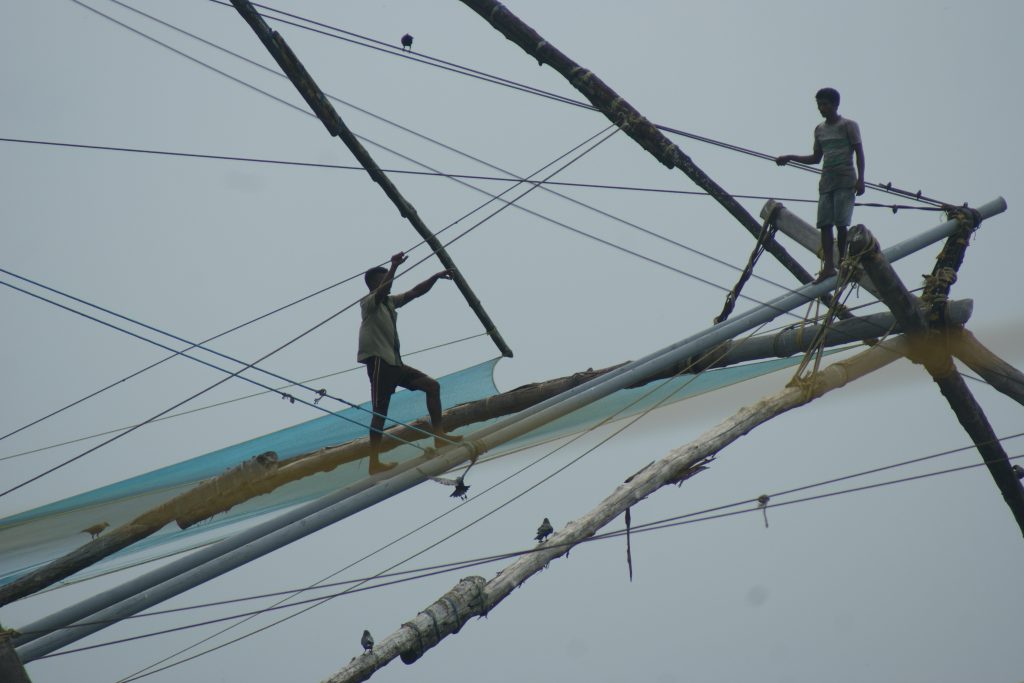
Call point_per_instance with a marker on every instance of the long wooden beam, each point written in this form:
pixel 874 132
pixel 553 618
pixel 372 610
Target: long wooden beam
pixel 933 354
pixel 325 111
pixel 474 596
pixel 625 116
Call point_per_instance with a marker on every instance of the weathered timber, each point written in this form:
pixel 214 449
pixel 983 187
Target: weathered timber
pixel 625 116
pixel 997 372
pixel 325 111
pixel 930 351
pixel 473 597
pixel 947 263
pixel 11 668
pixel 805 234
pixel 263 473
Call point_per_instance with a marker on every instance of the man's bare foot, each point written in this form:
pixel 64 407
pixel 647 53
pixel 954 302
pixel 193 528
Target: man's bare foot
pixel 443 439
pixel 376 466
pixel 825 274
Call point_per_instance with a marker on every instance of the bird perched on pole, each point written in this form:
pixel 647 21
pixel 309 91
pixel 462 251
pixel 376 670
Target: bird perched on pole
pixel 544 530
pixel 406 43
pixel 95 530
pixel 1019 471
pixel 366 641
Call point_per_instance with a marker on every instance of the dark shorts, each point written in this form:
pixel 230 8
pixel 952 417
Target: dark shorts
pixel 385 378
pixel 835 208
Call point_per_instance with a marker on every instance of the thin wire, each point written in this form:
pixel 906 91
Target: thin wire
pixel 437 174
pixel 230 374
pixel 431 253
pixel 653 526
pixel 418 163
pixel 488 558
pixel 199 345
pixel 273 390
pixel 497 80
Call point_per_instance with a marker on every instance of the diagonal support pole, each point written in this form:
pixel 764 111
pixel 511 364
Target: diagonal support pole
pixel 323 109
pixel 934 355
pixel 623 114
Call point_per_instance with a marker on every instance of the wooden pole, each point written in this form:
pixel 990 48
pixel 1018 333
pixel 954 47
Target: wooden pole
pixel 320 105
pixel 625 116
pixel 263 474
pixel 934 355
pixel 475 597
pixel 998 373
pixel 804 234
pixel 11 668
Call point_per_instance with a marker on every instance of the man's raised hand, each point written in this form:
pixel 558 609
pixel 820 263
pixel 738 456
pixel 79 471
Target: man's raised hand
pixel 444 275
pixel 398 259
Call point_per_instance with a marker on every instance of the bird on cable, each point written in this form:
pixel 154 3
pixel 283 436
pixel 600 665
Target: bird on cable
pixel 95 530
pixel 461 487
pixel 1019 471
pixel 544 530
pixel 406 43
pixel 366 641
pixel 319 395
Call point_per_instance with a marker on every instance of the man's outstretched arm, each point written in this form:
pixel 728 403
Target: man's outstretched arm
pixel 424 287
pixel 812 158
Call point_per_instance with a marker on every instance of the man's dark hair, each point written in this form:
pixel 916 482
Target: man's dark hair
pixel 372 273
pixel 829 95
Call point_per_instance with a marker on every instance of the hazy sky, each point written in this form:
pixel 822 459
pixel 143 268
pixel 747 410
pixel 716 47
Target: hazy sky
pixel 912 582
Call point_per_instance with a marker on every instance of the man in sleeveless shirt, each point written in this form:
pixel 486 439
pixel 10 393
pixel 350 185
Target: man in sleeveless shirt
pixel 379 351
pixel 836 142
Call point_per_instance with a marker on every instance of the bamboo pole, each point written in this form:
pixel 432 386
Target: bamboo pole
pixel 993 369
pixel 323 109
pixel 625 116
pixel 935 356
pixel 263 473
pixel 474 596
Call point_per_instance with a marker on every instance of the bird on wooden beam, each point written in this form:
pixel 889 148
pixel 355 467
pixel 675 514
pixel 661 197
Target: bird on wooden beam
pixel 95 530
pixel 366 641
pixel 1019 471
pixel 406 43
pixel 544 530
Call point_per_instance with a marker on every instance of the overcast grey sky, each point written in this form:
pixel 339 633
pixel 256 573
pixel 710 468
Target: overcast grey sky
pixel 914 582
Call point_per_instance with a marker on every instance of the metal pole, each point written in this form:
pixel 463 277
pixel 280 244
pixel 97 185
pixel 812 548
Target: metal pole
pixel 190 571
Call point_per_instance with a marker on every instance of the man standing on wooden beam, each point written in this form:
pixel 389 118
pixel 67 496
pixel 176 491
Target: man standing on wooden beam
pixel 379 351
pixel 836 140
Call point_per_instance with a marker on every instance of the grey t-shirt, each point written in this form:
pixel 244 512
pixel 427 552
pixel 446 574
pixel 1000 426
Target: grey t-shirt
pixel 378 333
pixel 836 141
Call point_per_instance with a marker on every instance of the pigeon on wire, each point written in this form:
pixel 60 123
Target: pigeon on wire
pixel 406 43
pixel 366 641
pixel 544 530
pixel 461 487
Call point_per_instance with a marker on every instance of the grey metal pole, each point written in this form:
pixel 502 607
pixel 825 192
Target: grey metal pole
pixel 188 572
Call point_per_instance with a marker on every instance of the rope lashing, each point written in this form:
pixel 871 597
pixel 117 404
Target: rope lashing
pixel 767 234
pixel 937 285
